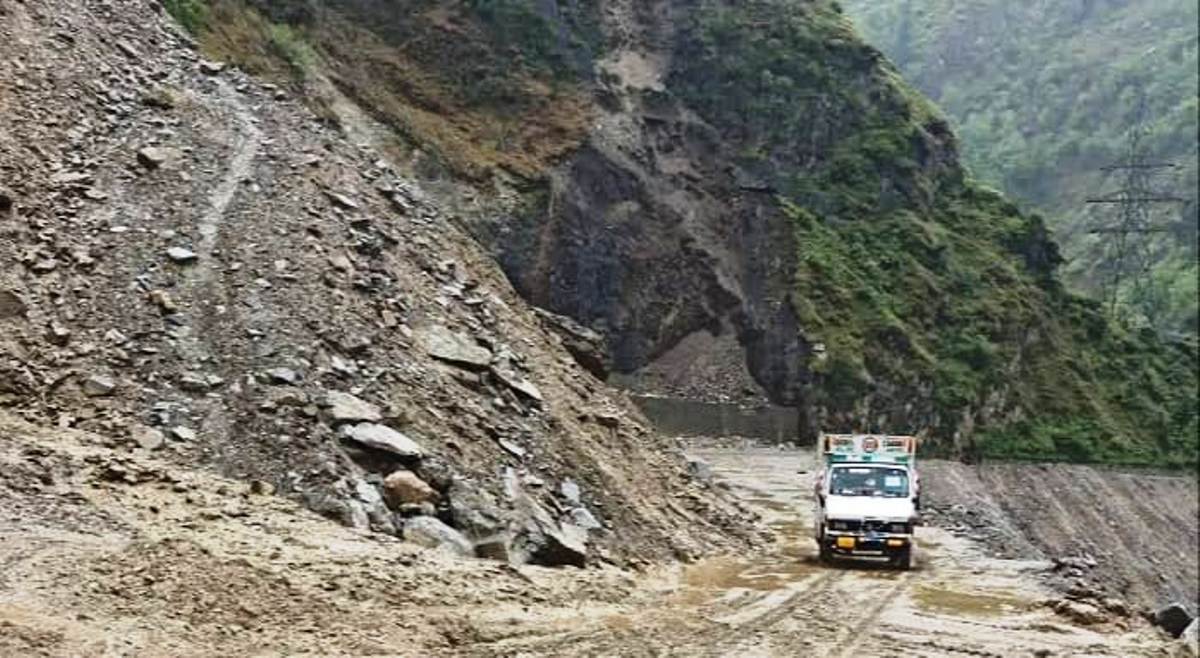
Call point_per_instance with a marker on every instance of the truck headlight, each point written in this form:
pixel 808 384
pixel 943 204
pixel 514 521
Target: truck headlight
pixel 839 525
pixel 898 528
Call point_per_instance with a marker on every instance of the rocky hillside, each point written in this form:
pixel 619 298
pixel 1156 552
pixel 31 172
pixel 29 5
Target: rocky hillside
pixel 195 264
pixel 746 201
pixel 1043 95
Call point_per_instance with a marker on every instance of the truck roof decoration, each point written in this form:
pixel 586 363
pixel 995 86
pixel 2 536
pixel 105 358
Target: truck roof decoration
pixel 872 448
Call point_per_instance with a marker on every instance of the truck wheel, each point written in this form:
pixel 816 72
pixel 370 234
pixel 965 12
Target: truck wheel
pixel 823 552
pixel 904 559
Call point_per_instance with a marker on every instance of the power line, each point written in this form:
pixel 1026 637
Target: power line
pixel 1128 249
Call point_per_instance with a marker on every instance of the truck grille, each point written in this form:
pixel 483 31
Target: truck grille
pixel 870 525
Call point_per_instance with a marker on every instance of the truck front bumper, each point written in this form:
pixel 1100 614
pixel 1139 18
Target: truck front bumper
pixel 867 545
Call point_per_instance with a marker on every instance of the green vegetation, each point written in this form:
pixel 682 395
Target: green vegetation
pixel 192 15
pixel 926 288
pixel 234 31
pixel 1043 94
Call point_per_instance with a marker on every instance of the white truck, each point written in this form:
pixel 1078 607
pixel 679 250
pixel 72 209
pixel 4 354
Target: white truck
pixel 867 497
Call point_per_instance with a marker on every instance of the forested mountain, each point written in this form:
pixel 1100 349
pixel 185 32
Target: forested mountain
pixel 1042 96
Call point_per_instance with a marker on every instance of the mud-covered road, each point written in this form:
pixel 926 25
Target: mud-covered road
pixel 123 553
pixel 782 602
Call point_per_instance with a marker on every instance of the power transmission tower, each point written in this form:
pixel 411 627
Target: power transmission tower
pixel 1127 247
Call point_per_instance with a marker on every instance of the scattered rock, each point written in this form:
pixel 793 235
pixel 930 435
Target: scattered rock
pixel 382 437
pixel 154 157
pixel 1081 613
pixel 405 488
pixel 183 433
pixel 1173 618
pixel 429 532
pixel 1077 564
pixel 1116 606
pixel 610 420
pixel 588 347
pixel 341 200
pixel 341 263
pixel 58 334
pixel 6 200
pixel 512 448
pixel 147 438
pixel 287 396
pixel 700 469
pixel 12 306
pixel 209 67
pixel 583 518
pixel 285 376
pixel 345 408
pixel 570 491
pixel 98 386
pixel 261 488
pixel 445 345
pixel 565 546
pixel 518 383
pixel 181 255
pixel 128 49
pixel 495 547
pixel 162 299
pixel 193 383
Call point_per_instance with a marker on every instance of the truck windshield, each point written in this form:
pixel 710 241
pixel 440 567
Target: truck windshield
pixel 869 481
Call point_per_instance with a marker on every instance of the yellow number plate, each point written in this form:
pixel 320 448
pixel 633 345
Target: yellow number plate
pixel 845 542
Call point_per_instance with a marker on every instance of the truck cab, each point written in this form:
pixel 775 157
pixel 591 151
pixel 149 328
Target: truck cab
pixel 867 497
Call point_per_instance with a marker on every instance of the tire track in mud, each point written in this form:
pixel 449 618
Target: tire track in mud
pixel 851 637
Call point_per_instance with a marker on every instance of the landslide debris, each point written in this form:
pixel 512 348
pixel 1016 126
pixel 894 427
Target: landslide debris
pixel 197 266
pixel 1122 540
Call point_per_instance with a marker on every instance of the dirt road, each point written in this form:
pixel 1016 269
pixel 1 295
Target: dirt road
pixel 123 553
pixel 958 601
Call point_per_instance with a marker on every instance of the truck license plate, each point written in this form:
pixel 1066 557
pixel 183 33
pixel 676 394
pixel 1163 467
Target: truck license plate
pixel 845 542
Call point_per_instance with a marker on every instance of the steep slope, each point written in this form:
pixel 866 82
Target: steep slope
pixel 758 200
pixel 1042 95
pixel 196 264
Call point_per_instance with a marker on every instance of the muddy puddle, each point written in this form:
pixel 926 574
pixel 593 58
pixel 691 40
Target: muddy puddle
pixel 940 600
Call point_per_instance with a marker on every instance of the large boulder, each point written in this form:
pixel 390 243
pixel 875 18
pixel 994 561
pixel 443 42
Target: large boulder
pixel 405 488
pixel 1173 618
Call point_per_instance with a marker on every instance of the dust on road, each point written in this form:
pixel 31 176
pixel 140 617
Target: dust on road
pixel 783 602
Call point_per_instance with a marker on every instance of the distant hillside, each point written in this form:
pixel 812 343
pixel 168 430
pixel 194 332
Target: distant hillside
pixel 1042 95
